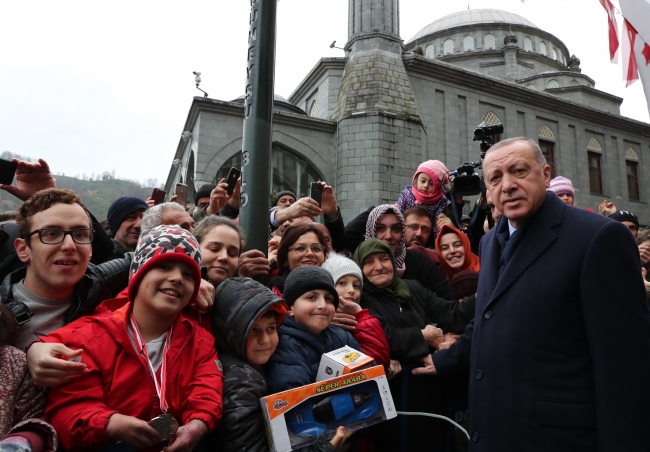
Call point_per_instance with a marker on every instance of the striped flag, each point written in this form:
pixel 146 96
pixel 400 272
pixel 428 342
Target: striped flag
pixel 636 43
pixel 613 30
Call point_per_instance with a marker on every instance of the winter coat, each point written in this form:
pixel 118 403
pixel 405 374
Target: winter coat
pixel 297 358
pixel 21 402
pixel 118 380
pixel 403 323
pixel 407 200
pixel 371 338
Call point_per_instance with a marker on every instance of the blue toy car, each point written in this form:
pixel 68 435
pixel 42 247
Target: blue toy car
pixel 315 417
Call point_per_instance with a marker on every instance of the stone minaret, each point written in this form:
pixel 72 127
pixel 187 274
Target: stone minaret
pixel 379 128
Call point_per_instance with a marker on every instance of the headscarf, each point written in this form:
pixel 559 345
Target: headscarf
pixel 471 260
pixel 371 224
pixel 397 288
pixel 436 170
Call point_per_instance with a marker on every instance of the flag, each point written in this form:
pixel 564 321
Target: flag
pixel 630 70
pixel 636 14
pixel 613 30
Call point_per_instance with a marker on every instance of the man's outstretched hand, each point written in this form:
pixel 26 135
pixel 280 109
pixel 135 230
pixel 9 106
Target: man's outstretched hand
pixel 30 178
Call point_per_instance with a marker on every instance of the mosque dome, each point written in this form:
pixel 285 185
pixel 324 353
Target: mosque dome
pixel 473 17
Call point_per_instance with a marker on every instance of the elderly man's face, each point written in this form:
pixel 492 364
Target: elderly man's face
pixel 516 183
pixel 180 218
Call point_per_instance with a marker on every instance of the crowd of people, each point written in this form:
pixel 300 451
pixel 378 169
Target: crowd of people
pixel 157 329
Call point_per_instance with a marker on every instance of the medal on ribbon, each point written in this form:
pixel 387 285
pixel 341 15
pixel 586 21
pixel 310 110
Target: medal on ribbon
pixel 165 424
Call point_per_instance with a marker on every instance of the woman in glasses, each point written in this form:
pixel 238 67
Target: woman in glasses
pixel 302 245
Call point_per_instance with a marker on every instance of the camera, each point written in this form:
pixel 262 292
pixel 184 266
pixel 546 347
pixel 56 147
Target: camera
pixel 484 130
pixel 465 181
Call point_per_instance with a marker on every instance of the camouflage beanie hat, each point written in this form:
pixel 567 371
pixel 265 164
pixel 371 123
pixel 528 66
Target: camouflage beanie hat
pixel 165 243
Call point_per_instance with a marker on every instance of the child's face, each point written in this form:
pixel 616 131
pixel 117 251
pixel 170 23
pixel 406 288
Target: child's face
pixel 349 288
pixel 424 183
pixel 166 288
pixel 314 310
pixel 263 340
pixel 567 198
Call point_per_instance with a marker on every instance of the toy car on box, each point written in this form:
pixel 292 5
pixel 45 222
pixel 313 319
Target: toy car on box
pixel 312 413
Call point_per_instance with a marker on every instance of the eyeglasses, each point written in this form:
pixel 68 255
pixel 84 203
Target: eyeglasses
pixel 415 227
pixel 54 236
pixel 302 249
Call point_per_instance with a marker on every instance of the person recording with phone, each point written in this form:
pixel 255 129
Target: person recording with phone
pixel 221 199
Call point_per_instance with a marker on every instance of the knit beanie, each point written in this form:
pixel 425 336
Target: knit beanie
pixel 434 168
pixel 624 215
pixel 122 208
pixel 161 244
pixel 465 283
pixel 303 279
pixel 339 266
pixel 203 192
pixel 284 193
pixel 561 185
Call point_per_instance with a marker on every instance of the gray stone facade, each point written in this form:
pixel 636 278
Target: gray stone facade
pixel 365 122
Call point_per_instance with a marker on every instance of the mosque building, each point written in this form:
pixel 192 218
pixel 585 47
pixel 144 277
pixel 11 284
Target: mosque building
pixel 364 122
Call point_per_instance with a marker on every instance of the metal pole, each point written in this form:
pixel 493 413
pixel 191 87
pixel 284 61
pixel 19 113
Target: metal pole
pixel 258 124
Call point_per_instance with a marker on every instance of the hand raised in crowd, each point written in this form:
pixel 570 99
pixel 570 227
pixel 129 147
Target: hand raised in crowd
pixel 644 272
pixel 132 430
pixel 49 365
pixel 274 245
pixel 218 197
pixel 443 220
pixel 394 369
pixel 253 263
pixel 30 178
pixel 173 199
pixel 302 207
pixel 433 336
pixel 606 208
pixel 344 316
pixel 150 202
pixel 427 369
pixel 187 436
pixel 644 251
pixel 328 202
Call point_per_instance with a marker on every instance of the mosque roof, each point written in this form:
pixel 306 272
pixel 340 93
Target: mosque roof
pixel 473 17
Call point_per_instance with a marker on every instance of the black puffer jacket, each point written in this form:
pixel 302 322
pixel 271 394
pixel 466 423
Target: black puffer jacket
pixel 99 283
pixel 238 303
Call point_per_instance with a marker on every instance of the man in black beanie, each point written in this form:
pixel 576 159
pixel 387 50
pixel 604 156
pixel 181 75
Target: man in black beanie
pixel 124 220
pixel 628 219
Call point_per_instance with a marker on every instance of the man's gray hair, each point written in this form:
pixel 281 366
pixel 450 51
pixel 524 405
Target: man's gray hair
pixel 538 155
pixel 152 217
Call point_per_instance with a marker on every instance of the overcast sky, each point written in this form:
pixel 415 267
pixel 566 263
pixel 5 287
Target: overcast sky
pixel 95 86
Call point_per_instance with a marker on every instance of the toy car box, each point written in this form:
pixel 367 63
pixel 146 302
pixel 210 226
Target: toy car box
pixel 310 414
pixel 342 361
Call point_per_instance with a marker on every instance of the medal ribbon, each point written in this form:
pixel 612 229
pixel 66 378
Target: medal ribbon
pixel 142 347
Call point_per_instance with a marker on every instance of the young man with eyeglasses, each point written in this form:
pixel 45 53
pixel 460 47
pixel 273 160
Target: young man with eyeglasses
pixel 54 242
pixel 418 226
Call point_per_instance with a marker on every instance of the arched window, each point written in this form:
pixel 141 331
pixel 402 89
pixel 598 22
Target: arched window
pixel 630 153
pixel 563 58
pixel 632 171
pixel 489 42
pixel 542 48
pixel 288 171
pixel 546 133
pixel 553 84
pixel 313 111
pixel 594 145
pixel 468 43
pixel 430 52
pixel 555 54
pixel 528 44
pixel 574 82
pixel 594 159
pixel 448 47
pixel 491 118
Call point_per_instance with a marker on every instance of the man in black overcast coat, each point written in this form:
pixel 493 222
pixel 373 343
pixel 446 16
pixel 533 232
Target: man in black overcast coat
pixel 560 345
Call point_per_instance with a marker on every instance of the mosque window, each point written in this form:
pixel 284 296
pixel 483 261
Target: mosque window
pixel 555 54
pixel 288 171
pixel 548 149
pixel 491 118
pixel 631 168
pixel 574 83
pixel 631 154
pixel 563 58
pixel 528 44
pixel 430 52
pixel 313 111
pixel 546 133
pixel 594 145
pixel 530 86
pixel 489 42
pixel 595 173
pixel 468 43
pixel 553 84
pixel 542 48
pixel 448 47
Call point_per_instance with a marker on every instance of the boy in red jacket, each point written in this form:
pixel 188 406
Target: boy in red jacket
pixel 152 374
